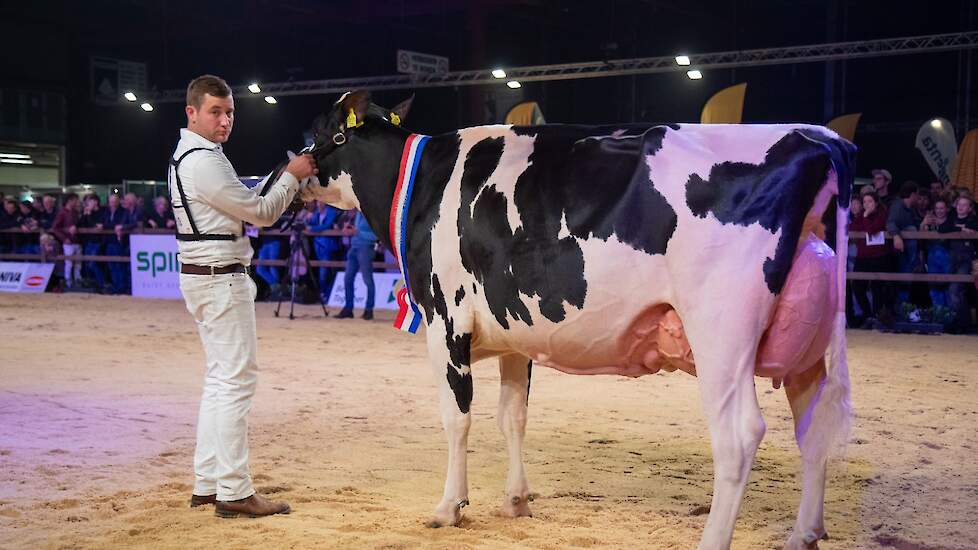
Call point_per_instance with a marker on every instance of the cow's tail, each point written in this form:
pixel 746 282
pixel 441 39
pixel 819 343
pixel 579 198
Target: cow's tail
pixel 831 409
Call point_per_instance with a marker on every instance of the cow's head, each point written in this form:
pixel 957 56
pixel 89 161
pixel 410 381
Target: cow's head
pixel 350 142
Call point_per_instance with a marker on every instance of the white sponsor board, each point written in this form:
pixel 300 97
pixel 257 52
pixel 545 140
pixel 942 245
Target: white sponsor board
pixel 420 63
pixel 385 284
pixel 24 276
pixel 155 267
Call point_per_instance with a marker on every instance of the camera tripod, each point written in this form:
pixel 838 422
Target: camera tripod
pixel 296 265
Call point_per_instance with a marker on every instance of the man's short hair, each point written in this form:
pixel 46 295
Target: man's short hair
pixel 908 188
pixel 883 172
pixel 206 84
pixel 69 197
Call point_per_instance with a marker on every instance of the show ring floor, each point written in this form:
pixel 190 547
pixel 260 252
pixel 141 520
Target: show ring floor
pixel 99 395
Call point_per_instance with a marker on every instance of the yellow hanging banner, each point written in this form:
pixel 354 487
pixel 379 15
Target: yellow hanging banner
pixel 726 106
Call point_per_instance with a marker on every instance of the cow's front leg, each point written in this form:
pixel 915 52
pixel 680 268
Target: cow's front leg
pixel 453 375
pixel 514 375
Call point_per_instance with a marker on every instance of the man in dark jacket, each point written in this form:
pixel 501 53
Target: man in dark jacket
pixel 962 254
pixel 117 219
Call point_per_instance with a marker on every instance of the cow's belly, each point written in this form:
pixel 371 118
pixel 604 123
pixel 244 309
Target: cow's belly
pixel 633 335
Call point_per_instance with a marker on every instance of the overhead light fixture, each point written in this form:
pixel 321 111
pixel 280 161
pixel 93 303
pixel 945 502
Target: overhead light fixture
pixel 254 88
pixel 129 96
pixel 146 107
pixel 936 124
pixel 17 161
pixel 499 73
pixel 13 156
pixel 694 74
pixel 514 84
pixel 270 100
pixel 682 60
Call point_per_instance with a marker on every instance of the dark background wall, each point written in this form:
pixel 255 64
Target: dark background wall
pixel 47 46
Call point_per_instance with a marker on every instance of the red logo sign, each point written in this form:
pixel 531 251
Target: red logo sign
pixel 35 280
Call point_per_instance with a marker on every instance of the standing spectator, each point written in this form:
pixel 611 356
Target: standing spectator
pixel 363 244
pixel 937 189
pixel 903 217
pixel 161 216
pixel 872 255
pixel 938 256
pixel 881 185
pixel 29 244
pixel 65 229
pixel 323 217
pixel 91 218
pixel 270 248
pixel 47 212
pixel 116 219
pixel 962 255
pixel 9 219
pixel 134 211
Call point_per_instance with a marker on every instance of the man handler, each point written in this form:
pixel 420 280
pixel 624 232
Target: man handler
pixel 210 205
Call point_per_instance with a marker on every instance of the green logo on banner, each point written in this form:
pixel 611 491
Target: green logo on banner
pixel 157 262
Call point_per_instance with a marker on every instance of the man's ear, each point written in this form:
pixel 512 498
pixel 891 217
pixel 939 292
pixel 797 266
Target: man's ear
pixel 357 102
pixel 402 108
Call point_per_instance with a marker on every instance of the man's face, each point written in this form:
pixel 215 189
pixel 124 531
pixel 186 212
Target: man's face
pixel 879 181
pixel 129 200
pixel 113 201
pixel 213 120
pixel 10 207
pixel 940 209
pixel 48 202
pixel 963 207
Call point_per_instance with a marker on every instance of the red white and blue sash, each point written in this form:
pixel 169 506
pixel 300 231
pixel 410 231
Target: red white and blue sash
pixel 408 315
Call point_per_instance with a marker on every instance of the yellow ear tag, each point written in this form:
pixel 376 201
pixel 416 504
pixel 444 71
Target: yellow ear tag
pixel 351 120
pixel 395 120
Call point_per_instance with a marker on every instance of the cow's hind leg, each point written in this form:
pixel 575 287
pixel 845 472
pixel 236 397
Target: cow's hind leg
pixel 453 375
pixel 514 375
pixel 726 378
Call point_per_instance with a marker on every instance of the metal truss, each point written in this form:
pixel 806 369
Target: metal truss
pixel 619 67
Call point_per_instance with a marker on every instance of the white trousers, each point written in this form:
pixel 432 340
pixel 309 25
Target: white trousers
pixel 224 308
pixel 72 268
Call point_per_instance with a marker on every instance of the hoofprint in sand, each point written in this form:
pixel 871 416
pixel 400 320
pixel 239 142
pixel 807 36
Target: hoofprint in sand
pixel 98 400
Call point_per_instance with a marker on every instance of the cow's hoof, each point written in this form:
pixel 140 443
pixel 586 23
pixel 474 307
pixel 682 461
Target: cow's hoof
pixel 805 541
pixel 517 507
pixel 447 518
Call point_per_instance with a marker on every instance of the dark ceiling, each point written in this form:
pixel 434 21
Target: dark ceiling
pixel 47 46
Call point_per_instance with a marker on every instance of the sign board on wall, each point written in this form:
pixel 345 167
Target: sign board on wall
pixel 386 286
pixel 24 276
pixel 155 267
pixel 420 63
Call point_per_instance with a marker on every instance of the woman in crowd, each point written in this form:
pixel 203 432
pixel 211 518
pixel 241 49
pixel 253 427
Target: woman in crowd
pixel 872 255
pixel 962 255
pixel 938 256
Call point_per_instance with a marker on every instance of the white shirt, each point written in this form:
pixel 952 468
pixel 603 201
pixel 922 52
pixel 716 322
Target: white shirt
pixel 219 202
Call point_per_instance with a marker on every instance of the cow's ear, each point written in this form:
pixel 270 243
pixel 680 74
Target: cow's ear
pixel 354 105
pixel 402 108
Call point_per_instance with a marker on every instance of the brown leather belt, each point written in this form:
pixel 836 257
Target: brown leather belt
pixel 191 269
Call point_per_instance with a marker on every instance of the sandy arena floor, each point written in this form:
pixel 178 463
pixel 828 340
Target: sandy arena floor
pixel 98 398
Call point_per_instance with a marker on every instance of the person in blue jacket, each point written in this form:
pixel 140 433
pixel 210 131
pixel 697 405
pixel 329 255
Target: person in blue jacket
pixel 117 219
pixel 323 217
pixel 360 258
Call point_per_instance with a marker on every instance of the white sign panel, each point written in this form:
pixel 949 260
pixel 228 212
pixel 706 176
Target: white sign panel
pixel 24 276
pixel 420 63
pixel 385 284
pixel 155 267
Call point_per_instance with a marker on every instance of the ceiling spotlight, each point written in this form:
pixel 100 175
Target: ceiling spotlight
pixel 499 73
pixel 147 107
pixel 254 88
pixel 130 96
pixel 270 100
pixel 694 74
pixel 514 84
pixel 682 60
pixel 936 124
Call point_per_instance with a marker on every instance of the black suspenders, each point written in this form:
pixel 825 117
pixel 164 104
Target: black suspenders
pixel 196 235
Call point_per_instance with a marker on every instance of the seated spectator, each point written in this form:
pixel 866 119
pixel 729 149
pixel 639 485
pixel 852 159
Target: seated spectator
pixel 938 256
pixel 65 229
pixel 161 216
pixel 91 218
pixel 270 248
pixel 903 217
pixel 872 255
pixel 962 255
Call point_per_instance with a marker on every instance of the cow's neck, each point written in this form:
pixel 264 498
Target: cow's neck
pixel 378 163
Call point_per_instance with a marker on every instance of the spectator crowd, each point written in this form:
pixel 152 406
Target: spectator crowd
pixel 880 209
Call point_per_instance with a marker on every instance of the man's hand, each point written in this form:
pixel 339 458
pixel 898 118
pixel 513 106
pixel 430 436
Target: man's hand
pixel 898 242
pixel 302 167
pixel 73 230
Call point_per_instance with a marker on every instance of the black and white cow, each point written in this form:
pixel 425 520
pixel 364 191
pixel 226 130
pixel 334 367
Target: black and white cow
pixel 593 252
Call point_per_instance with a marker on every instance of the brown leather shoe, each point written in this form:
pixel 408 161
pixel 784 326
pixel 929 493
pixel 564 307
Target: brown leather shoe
pixel 198 500
pixel 254 506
